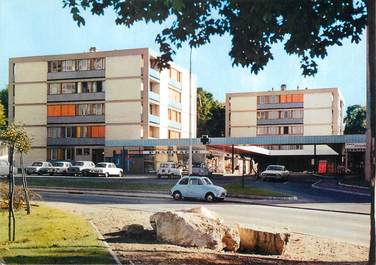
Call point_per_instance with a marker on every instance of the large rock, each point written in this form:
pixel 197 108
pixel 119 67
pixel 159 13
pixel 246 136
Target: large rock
pixel 197 227
pixel 263 240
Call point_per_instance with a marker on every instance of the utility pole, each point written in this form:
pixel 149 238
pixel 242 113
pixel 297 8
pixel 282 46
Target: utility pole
pixel 190 113
pixel 371 119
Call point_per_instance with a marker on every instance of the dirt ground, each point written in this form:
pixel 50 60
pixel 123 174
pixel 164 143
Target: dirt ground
pixel 145 250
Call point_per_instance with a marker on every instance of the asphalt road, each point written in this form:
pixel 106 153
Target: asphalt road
pixel 348 222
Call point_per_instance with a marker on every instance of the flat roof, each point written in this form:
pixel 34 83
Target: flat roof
pixel 257 140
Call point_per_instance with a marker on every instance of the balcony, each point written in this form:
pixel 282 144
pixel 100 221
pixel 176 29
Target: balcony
pixel 175 84
pixel 174 104
pixel 154 73
pixel 75 74
pixel 76 119
pixel 174 125
pixel 76 97
pixel 75 141
pixel 153 119
pixel 280 105
pixel 279 121
pixel 154 96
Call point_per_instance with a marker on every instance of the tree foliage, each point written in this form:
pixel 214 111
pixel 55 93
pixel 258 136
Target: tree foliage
pixel 306 28
pixel 210 115
pixel 355 120
pixel 4 101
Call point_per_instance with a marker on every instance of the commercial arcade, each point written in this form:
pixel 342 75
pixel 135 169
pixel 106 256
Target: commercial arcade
pixel 132 154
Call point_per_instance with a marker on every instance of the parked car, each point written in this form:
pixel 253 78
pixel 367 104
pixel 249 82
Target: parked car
pixel 81 168
pixel 169 169
pixel 197 187
pixel 277 172
pixel 61 167
pixel 106 169
pixel 200 169
pixel 40 168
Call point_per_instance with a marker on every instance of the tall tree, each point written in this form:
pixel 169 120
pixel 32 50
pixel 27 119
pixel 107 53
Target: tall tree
pixel 210 115
pixel 355 120
pixel 4 100
pixel 306 28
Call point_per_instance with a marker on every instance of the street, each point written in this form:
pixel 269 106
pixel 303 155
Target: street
pixel 347 222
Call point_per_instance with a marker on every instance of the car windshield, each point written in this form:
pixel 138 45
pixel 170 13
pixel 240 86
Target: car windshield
pixel 37 164
pixel 101 165
pixel 277 168
pixel 207 181
pixel 78 163
pixel 58 164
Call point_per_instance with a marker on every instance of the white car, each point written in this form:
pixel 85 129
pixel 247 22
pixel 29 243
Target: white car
pixel 61 167
pixel 197 188
pixel 275 172
pixel 107 169
pixel 40 168
pixel 4 168
pixel 169 169
pixel 81 168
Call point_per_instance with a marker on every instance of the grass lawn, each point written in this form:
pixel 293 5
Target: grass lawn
pixel 236 189
pixel 50 236
pixel 118 184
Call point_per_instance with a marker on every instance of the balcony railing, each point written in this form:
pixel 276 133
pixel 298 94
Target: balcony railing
pixel 154 73
pixel 154 119
pixel 174 104
pixel 76 119
pixel 75 141
pixel 75 74
pixel 76 97
pixel 153 96
pixel 174 125
pixel 175 84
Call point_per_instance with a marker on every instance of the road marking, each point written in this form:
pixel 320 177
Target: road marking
pixel 315 186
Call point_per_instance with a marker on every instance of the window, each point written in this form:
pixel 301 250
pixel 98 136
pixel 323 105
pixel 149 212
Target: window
pixel 173 134
pixel 174 115
pixel 68 88
pixel 98 86
pixel 54 132
pixel 285 130
pixel 79 151
pixel 273 115
pixel 54 88
pixel 184 181
pixel 69 66
pixel 83 65
pixel 297 114
pixel 174 95
pixel 273 130
pixel 70 132
pixel 175 74
pixel 54 66
pixel 86 151
pixel 299 130
pixel 97 64
pixel 193 181
pixel 86 87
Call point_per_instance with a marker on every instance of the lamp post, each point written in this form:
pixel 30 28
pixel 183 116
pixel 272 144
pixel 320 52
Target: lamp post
pixel 190 113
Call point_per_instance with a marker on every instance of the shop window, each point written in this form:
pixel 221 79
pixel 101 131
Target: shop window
pixel 86 151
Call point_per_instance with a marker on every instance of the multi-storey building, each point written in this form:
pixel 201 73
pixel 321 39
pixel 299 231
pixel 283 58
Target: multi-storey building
pixel 71 104
pixel 286 112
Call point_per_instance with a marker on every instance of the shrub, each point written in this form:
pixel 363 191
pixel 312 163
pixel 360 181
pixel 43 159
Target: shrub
pixel 19 196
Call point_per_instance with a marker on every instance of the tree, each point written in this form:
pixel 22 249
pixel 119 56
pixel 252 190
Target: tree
pixel 355 120
pixel 210 115
pixel 16 138
pixel 4 100
pixel 306 28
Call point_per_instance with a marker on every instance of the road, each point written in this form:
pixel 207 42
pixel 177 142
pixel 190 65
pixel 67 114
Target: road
pixel 348 222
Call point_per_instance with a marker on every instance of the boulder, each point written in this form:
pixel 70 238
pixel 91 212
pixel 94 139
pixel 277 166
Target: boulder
pixel 263 240
pixel 197 227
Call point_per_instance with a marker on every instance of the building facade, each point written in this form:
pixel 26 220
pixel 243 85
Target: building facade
pixel 288 112
pixel 72 104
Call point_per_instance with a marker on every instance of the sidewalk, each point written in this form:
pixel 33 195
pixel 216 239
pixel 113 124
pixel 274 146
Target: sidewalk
pixel 334 185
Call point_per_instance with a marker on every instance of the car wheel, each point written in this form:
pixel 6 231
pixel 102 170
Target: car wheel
pixel 28 173
pixel 209 197
pixel 159 176
pixel 120 174
pixel 177 196
pixel 51 173
pixel 106 175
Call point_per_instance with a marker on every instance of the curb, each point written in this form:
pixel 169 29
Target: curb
pixel 100 237
pixel 352 186
pixel 315 186
pixel 155 193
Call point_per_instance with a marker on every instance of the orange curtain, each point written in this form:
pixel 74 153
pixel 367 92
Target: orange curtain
pixel 68 110
pixel 53 110
pixel 97 131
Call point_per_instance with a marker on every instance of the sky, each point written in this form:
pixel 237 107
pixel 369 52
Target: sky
pixel 43 27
